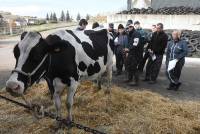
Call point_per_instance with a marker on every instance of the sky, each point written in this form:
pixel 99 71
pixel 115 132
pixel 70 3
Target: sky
pixel 40 8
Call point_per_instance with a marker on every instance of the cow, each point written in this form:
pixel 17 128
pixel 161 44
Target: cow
pixel 62 59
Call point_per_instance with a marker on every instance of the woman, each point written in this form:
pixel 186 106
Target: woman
pixel 121 42
pixel 176 52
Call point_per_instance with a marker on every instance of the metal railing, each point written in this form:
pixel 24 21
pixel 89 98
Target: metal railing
pixel 11 30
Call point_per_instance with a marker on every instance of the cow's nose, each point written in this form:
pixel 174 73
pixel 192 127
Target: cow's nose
pixel 12 85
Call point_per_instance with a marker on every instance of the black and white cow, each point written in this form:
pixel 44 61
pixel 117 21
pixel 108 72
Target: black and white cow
pixel 62 59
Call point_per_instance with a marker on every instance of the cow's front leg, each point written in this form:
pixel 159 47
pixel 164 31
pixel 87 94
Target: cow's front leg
pixel 99 82
pixel 58 86
pixel 109 79
pixel 70 97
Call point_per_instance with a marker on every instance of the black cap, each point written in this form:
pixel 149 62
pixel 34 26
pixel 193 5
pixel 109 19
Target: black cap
pixel 120 26
pixel 111 25
pixel 129 22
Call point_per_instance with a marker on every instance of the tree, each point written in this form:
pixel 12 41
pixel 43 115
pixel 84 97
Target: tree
pixel 51 16
pixel 87 17
pixel 78 17
pixel 55 17
pixel 68 17
pixel 47 17
pixel 62 17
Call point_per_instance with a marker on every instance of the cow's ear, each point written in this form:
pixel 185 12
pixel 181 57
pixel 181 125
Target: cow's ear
pixel 23 35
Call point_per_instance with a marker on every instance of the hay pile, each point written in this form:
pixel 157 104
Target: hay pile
pixel 122 112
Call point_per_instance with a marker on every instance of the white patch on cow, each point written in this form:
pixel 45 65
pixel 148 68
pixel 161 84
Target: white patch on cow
pixel 70 96
pixel 83 37
pixel 13 83
pixel 80 53
pixel 58 86
pixel 30 40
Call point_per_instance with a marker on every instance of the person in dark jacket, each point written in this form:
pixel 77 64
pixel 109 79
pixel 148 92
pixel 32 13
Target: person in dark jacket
pixel 175 59
pixel 112 30
pixel 121 42
pixel 156 50
pixel 133 58
pixel 146 52
pixel 82 25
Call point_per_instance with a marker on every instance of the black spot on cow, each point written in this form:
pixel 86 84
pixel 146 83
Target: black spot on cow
pixel 71 32
pixel 92 69
pixel 100 44
pixel 82 66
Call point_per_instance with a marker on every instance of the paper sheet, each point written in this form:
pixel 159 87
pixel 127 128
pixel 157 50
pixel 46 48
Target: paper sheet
pixel 172 64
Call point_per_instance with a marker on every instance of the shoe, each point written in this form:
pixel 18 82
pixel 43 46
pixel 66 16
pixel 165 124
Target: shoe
pixel 177 86
pixel 118 73
pixel 152 82
pixel 133 84
pixel 127 81
pixel 146 80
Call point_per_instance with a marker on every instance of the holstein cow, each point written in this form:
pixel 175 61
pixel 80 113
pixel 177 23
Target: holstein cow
pixel 62 59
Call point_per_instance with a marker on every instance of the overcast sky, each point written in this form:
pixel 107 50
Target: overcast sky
pixel 40 8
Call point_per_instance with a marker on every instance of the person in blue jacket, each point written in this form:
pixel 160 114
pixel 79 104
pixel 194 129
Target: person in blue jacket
pixel 175 59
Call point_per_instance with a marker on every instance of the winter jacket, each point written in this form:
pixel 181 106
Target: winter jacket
pixel 143 36
pixel 158 43
pixel 134 43
pixel 122 40
pixel 176 50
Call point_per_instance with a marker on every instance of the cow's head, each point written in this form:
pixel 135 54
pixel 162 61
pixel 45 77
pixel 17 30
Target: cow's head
pixel 30 54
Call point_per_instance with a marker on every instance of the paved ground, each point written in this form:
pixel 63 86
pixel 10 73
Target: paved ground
pixel 190 89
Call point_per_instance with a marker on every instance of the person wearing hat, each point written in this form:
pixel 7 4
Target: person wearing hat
pixel 143 34
pixel 134 51
pixel 112 30
pixel 82 25
pixel 121 42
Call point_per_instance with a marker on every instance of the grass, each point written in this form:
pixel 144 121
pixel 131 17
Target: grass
pixel 121 112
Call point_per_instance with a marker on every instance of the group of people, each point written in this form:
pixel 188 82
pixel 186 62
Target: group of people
pixel 134 47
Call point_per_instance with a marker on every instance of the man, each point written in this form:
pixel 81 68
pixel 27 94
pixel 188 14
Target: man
pixel 156 50
pixel 143 34
pixel 146 53
pixel 134 51
pixel 121 42
pixel 82 25
pixel 175 59
pixel 112 30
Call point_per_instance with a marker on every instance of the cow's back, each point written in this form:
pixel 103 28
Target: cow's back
pixel 92 50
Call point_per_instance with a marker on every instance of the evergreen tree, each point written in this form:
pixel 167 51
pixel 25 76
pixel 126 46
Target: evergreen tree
pixel 78 17
pixel 51 16
pixel 62 17
pixel 47 17
pixel 68 17
pixel 55 17
pixel 87 17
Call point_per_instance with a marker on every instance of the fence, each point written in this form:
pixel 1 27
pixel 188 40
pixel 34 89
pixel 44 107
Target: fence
pixel 11 30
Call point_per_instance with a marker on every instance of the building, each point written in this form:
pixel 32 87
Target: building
pixel 138 4
pixel 155 4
